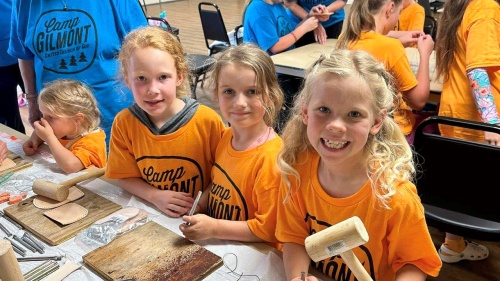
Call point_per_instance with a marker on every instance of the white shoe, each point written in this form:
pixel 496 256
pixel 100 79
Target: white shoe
pixel 472 252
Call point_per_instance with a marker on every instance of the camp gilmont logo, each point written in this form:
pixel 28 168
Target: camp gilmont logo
pixel 61 39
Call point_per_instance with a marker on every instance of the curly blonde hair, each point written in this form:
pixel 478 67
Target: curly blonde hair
pixel 66 98
pixel 253 57
pixel 160 39
pixel 389 156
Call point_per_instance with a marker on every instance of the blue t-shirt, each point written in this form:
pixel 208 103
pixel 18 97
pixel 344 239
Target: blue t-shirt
pixel 5 11
pixel 81 43
pixel 307 5
pixel 265 23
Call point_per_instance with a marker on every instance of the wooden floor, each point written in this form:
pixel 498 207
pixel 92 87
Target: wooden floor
pixel 184 15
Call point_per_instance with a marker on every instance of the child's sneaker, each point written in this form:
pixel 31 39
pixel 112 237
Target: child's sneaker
pixel 472 252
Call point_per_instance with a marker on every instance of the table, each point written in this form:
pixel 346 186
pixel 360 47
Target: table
pixel 253 258
pixel 294 62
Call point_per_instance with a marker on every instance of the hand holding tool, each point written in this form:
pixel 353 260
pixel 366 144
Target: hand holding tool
pixel 339 239
pixel 60 191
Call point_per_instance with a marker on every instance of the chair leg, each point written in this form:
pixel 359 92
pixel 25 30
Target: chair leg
pixel 194 86
pixel 202 80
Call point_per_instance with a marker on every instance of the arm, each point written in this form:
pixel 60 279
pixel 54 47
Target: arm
pixel 417 96
pixel 409 272
pixel 204 227
pixel 288 40
pixel 485 103
pixel 172 203
pixel 28 74
pixel 295 260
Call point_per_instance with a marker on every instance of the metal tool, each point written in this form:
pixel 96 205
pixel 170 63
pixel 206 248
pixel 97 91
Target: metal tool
pixel 17 248
pixel 35 244
pixel 10 220
pixel 45 258
pixel 41 271
pixel 4 229
pixel 32 244
pixel 303 276
pixel 22 242
pixel 191 212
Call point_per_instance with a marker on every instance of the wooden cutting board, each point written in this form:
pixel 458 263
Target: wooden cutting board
pixel 20 163
pixel 152 253
pixel 54 233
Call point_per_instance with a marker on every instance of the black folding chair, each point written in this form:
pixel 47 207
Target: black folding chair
pixel 214 29
pixel 198 64
pixel 430 26
pixel 457 180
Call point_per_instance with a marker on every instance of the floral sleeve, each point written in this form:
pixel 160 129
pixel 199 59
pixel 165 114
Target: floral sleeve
pixel 481 90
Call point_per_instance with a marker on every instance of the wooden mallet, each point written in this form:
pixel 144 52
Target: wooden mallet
pixel 11 270
pixel 60 191
pixel 339 239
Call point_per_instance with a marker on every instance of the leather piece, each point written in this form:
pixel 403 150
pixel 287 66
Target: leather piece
pixel 44 203
pixel 68 213
pixel 7 164
pixel 63 271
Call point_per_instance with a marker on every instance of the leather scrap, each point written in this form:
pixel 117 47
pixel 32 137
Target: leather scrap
pixel 44 203
pixel 67 214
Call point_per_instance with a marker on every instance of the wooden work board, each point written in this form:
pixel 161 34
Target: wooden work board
pixel 54 233
pixel 20 163
pixel 152 253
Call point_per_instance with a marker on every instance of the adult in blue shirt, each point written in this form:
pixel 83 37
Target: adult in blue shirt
pixel 74 40
pixel 10 76
pixel 267 25
pixel 329 12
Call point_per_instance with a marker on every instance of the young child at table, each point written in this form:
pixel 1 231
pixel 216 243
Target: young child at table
pixel 468 60
pixel 368 23
pixel 162 147
pixel 69 126
pixel 241 203
pixel 344 156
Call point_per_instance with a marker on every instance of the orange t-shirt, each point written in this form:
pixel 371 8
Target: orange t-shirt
pixel 477 47
pixel 391 52
pixel 90 149
pixel 411 18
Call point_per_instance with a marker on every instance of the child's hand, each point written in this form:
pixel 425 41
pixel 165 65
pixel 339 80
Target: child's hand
pixel 425 45
pixel 320 12
pixel 31 146
pixel 308 24
pixel 200 227
pixel 410 38
pixel 172 203
pixel 43 129
pixel 320 34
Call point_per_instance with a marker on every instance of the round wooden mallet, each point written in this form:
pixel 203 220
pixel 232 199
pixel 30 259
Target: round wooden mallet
pixel 10 269
pixel 60 191
pixel 339 239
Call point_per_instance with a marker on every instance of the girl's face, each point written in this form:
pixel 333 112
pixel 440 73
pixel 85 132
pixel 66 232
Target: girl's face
pixel 153 79
pixel 61 126
pixel 339 118
pixel 239 103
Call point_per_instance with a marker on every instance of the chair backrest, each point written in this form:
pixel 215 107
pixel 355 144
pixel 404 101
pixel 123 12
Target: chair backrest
pixel 457 180
pixel 213 25
pixel 430 26
pixel 426 5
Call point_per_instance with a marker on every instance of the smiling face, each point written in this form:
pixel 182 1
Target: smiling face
pixel 62 126
pixel 339 118
pixel 239 102
pixel 153 79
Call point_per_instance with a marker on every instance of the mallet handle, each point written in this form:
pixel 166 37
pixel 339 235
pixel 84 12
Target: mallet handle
pixel 91 173
pixel 355 266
